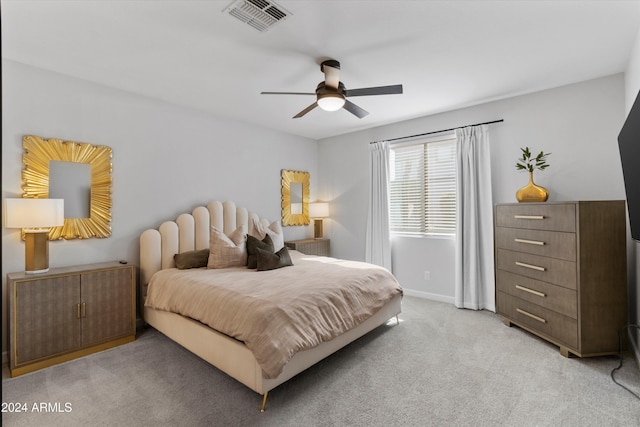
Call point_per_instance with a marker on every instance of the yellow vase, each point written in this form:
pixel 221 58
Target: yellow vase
pixel 532 192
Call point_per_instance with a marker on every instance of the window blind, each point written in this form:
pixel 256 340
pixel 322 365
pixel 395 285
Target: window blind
pixel 422 187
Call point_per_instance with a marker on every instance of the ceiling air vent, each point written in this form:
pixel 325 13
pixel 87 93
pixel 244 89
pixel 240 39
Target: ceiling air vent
pixel 259 14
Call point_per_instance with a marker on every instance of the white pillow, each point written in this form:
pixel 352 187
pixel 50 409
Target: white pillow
pixel 227 251
pixel 274 231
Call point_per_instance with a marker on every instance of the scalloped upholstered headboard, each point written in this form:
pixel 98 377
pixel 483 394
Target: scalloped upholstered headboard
pixel 188 232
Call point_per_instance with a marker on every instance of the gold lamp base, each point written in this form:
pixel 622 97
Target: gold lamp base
pixel 36 252
pixel 317 228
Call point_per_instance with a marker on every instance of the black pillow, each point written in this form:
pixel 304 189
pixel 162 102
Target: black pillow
pixel 192 259
pixel 270 261
pixel 253 245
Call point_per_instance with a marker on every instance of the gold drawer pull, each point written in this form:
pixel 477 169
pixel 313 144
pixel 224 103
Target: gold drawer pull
pixel 529 242
pixel 84 309
pixel 533 267
pixel 528 216
pixel 531 291
pixel 77 311
pixel 533 316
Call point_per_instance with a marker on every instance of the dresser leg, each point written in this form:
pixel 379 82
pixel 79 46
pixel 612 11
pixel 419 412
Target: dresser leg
pixel 506 321
pixel 565 352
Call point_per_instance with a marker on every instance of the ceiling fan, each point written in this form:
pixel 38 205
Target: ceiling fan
pixel 331 94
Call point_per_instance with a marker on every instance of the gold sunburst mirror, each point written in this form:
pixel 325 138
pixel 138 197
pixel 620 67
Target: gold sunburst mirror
pixel 39 158
pixel 295 197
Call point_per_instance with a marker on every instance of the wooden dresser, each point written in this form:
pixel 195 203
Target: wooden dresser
pixel 561 272
pixel 310 246
pixel 69 312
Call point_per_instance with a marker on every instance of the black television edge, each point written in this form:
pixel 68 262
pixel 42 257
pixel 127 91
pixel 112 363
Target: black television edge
pixel 629 145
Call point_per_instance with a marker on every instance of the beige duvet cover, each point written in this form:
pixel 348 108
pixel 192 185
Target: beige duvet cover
pixel 279 312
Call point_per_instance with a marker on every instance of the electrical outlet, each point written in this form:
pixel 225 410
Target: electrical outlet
pixel 427 275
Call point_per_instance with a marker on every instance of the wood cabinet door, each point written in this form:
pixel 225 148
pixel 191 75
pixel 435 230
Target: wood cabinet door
pixel 107 305
pixel 46 317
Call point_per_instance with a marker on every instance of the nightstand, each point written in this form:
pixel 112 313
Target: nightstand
pixel 310 246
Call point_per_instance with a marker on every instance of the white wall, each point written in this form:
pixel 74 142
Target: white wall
pixel 578 124
pixel 632 88
pixel 166 160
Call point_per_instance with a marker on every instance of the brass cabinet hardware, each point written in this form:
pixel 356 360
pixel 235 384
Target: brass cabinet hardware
pixel 529 242
pixel 533 316
pixel 531 291
pixel 533 267
pixel 528 216
pixel 84 309
pixel 78 311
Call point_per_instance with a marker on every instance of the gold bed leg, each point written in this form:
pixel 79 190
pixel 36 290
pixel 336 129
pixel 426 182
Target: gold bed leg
pixel 264 401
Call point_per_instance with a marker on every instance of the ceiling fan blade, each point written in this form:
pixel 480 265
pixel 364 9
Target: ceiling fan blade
pixel 354 109
pixel 306 110
pixel 331 70
pixel 286 93
pixel 379 90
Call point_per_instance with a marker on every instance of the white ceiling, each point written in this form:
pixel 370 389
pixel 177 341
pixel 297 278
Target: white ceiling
pixel 447 54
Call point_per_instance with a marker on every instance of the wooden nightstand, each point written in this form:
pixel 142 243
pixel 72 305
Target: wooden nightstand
pixel 310 246
pixel 69 312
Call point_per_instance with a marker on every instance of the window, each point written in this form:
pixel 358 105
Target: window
pixel 422 187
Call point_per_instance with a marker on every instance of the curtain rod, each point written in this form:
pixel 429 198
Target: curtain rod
pixel 437 131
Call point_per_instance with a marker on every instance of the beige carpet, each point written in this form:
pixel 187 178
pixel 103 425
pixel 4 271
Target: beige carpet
pixel 440 366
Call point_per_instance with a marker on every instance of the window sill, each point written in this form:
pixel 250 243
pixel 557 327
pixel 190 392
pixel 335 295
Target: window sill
pixel 424 236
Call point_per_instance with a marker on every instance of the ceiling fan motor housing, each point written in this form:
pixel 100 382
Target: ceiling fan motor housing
pixel 329 63
pixel 323 89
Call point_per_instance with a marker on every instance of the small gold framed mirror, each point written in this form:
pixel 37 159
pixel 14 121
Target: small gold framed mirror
pixel 70 162
pixel 295 197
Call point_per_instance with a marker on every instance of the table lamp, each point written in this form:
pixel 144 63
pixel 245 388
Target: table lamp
pixel 318 211
pixel 35 216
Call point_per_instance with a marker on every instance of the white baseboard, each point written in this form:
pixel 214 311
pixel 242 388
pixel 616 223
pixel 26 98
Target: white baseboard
pixel 438 297
pixel 428 295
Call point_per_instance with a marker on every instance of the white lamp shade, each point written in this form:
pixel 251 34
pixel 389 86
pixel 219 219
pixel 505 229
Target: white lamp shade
pixel 318 210
pixel 33 213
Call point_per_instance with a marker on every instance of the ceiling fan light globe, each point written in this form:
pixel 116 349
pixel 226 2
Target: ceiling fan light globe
pixel 331 101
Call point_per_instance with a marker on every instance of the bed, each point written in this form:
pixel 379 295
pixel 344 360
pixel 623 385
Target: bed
pixel 307 311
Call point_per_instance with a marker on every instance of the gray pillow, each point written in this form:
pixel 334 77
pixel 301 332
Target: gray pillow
pixel 191 259
pixel 270 261
pixel 253 244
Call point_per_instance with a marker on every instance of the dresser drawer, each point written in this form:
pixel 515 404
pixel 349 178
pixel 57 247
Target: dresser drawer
pixel 552 244
pixel 552 297
pixel 555 326
pixel 538 216
pixel 550 270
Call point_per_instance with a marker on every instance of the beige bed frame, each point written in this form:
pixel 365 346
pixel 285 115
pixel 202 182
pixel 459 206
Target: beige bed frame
pixel 191 231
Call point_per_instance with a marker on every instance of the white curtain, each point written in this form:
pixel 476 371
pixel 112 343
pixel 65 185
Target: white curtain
pixel 475 284
pixel 378 249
